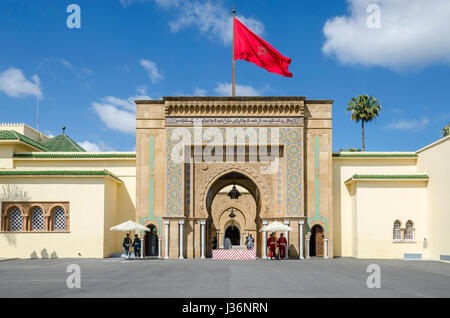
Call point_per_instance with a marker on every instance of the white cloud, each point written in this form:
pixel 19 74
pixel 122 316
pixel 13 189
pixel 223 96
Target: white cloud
pixel 14 84
pixel 199 92
pixel 210 17
pixel 115 118
pixel 152 70
pixel 93 147
pixel 126 3
pixel 79 71
pixel 224 89
pixel 413 33
pixel 409 125
pixel 127 104
pixel 119 114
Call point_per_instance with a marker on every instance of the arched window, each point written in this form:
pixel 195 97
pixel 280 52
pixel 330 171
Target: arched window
pixel 409 231
pixel 37 219
pixel 397 231
pixel 59 219
pixel 15 219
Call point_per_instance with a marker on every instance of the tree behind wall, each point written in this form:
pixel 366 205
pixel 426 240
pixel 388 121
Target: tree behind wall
pixel 363 108
pixel 446 131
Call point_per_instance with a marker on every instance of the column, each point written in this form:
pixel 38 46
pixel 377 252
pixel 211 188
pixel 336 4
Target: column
pixel 264 242
pixel 300 236
pixel 181 224
pixel 202 224
pixel 286 234
pixel 159 247
pixel 307 247
pixel 166 238
pixel 218 239
pixel 325 248
pixel 142 248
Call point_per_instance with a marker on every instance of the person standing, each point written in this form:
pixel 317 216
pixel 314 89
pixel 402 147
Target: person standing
pixel 126 245
pixel 282 244
pixel 271 243
pixel 227 244
pixel 137 246
pixel 250 242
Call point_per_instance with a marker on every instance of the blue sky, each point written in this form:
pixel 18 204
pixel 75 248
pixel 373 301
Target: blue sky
pixel 124 49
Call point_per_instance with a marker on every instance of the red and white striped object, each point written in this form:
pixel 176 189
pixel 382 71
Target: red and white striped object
pixel 245 255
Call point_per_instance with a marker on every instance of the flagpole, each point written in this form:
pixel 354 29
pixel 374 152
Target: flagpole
pixel 233 89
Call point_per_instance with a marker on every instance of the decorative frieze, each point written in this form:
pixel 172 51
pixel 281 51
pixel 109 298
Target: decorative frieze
pixel 234 121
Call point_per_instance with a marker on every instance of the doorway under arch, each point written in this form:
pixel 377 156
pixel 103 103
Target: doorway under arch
pixel 151 241
pixel 316 241
pixel 234 234
pixel 242 212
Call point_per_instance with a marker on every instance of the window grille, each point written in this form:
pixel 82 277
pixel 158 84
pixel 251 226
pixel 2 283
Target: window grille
pixel 409 231
pixel 37 219
pixel 59 219
pixel 397 231
pixel 16 220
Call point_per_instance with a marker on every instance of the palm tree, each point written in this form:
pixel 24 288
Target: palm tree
pixel 364 109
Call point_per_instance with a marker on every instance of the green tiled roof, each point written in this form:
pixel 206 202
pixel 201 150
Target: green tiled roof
pixel 388 177
pixel 58 173
pixel 374 155
pixel 14 135
pixel 85 155
pixel 63 143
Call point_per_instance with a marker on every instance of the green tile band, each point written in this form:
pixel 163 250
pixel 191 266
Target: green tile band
pixel 316 155
pixel 317 192
pixel 151 203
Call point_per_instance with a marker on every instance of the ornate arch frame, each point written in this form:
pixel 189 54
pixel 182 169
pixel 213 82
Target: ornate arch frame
pixel 246 170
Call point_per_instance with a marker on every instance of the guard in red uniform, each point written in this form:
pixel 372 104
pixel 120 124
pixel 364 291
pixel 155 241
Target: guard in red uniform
pixel 282 244
pixel 272 243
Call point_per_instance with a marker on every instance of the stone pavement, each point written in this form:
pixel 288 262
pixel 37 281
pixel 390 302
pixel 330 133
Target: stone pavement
pixel 315 277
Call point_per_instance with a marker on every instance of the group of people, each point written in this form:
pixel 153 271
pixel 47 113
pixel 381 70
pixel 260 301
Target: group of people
pixel 136 244
pixel 273 244
pixel 277 247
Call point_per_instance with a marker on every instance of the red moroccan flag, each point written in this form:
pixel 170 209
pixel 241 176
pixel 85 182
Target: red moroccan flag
pixel 250 47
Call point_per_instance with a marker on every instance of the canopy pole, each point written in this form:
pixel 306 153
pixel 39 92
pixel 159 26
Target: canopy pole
pixel 233 90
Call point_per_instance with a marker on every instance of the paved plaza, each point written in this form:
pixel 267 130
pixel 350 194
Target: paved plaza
pixel 315 277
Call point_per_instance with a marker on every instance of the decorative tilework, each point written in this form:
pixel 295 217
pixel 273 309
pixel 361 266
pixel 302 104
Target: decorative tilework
pixel 174 180
pixel 290 137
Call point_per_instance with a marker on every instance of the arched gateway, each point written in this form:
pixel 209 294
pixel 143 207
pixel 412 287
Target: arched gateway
pixel 212 167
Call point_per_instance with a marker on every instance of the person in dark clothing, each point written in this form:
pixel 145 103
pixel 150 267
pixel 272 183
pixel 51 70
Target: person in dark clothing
pixel 137 246
pixel 126 245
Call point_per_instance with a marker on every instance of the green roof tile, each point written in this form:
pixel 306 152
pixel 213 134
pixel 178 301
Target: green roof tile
pixel 389 177
pixel 374 155
pixel 63 143
pixel 58 173
pixel 85 155
pixel 14 135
